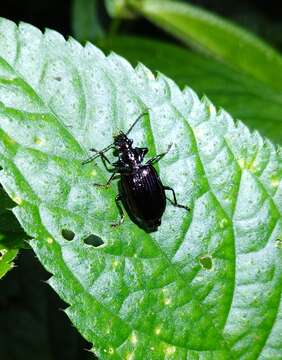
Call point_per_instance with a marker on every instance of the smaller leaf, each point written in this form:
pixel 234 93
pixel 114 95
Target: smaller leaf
pixel 215 36
pixel 119 9
pixel 246 98
pixel 85 20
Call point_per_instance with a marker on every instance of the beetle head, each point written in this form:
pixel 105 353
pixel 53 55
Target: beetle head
pixel 122 142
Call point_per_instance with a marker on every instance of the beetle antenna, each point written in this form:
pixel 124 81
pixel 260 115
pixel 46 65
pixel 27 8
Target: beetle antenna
pixel 136 121
pixel 98 154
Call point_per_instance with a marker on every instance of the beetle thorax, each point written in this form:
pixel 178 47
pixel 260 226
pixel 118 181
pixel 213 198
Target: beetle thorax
pixel 126 153
pixel 128 157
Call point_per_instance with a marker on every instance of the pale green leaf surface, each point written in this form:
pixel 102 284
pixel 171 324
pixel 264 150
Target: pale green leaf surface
pixel 207 284
pixel 246 98
pixel 215 36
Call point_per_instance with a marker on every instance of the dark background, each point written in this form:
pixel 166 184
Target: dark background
pixel 260 16
pixel 32 323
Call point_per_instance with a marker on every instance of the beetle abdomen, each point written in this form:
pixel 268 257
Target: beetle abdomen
pixel 144 195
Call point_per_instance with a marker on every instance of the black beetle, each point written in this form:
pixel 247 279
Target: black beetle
pixel 141 190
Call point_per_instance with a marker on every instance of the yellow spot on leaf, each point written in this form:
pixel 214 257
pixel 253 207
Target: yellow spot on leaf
pixel 275 182
pixel 167 301
pixel 49 240
pixel 38 141
pixel 134 339
pixel 223 223
pixel 115 263
pixel 158 330
pixel 170 350
pixel 241 163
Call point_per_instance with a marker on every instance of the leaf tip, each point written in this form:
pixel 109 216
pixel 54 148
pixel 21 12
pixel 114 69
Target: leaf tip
pixel 17 199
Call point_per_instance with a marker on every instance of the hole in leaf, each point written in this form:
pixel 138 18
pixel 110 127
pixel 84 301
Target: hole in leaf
pixel 68 234
pixel 278 243
pixel 206 262
pixel 93 240
pixel 2 253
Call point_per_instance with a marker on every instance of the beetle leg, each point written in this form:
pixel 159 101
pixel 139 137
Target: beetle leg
pixel 174 202
pixel 98 153
pixel 121 212
pixel 105 160
pixel 115 173
pixel 108 183
pixel 88 160
pixel 103 156
pixel 157 158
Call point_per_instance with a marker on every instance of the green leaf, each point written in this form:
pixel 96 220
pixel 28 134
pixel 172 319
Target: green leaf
pixel 259 106
pixel 6 257
pixel 85 20
pixel 217 37
pixel 208 283
pixel 118 9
